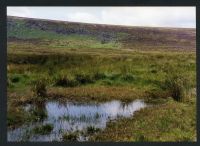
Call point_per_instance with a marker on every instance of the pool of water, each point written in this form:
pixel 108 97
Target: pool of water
pixel 73 116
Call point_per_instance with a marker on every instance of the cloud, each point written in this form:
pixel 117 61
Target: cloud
pixel 82 17
pixel 134 16
pixel 19 11
pixel 152 16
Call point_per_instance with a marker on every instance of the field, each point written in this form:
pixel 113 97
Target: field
pixel 63 61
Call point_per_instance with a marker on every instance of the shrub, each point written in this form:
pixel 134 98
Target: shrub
pixel 39 88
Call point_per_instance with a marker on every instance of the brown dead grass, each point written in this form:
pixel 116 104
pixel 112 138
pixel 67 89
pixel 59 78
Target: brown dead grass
pixel 96 93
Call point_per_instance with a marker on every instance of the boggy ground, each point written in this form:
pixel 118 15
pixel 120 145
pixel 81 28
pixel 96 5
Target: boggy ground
pixel 43 66
pixel 140 75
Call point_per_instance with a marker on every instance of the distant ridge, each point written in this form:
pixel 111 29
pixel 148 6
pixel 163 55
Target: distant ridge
pixel 76 22
pixel 129 36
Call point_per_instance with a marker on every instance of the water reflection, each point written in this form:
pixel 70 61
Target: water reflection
pixel 70 117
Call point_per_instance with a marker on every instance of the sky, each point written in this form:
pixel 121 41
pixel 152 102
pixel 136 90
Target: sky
pixel 130 16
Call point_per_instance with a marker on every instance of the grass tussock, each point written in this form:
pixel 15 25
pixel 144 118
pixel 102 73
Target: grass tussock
pixel 70 137
pixel 38 113
pixel 43 130
pixel 92 130
pixel 66 81
pixel 84 78
pixel 39 88
pixel 178 85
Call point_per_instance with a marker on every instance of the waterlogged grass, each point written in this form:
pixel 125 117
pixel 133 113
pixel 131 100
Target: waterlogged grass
pixel 74 136
pixel 17 115
pixel 99 78
pixel 171 121
pixel 20 94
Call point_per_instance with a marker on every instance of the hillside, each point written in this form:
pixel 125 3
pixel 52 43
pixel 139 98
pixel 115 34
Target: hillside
pixel 71 35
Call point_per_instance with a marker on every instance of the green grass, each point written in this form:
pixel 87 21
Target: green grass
pixel 84 69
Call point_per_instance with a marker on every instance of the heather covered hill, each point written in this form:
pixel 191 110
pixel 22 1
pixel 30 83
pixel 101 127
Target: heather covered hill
pixel 104 36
